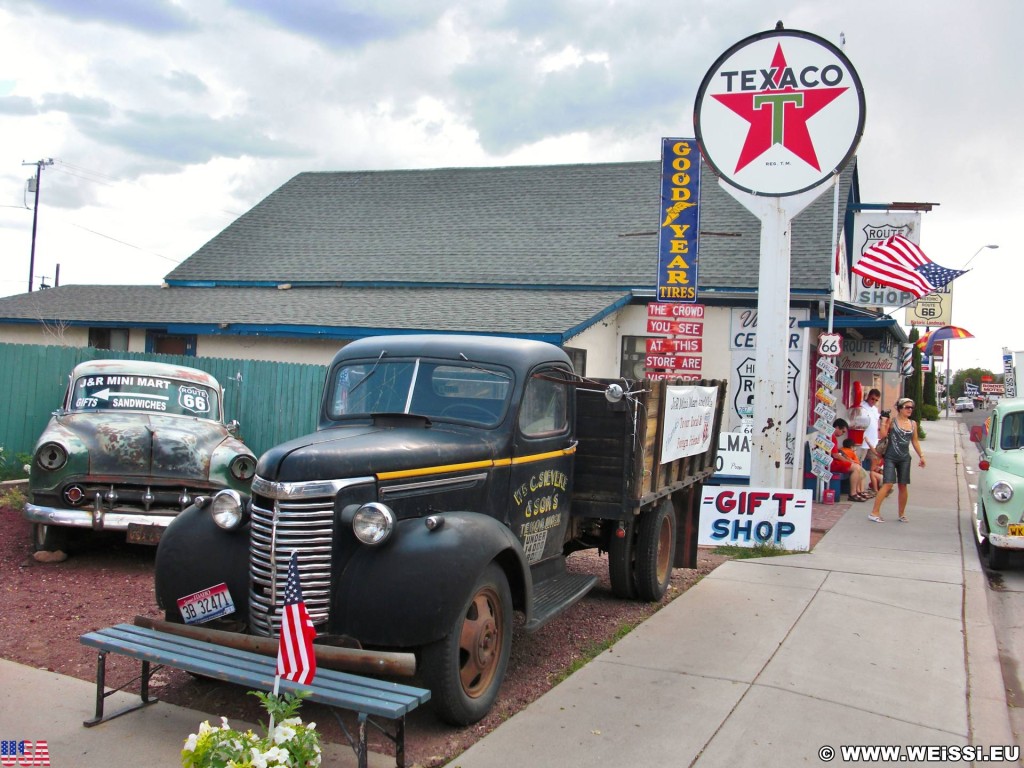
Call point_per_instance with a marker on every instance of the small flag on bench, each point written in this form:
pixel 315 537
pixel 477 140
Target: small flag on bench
pixel 295 659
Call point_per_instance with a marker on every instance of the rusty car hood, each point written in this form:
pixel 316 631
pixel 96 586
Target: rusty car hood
pixel 147 444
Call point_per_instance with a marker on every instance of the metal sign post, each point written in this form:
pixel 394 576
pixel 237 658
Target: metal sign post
pixel 777 117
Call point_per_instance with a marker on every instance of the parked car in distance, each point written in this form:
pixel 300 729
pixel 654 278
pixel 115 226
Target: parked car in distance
pixel 964 404
pixel 132 445
pixel 999 512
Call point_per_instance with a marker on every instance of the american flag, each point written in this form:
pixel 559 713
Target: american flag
pixel 899 263
pixel 24 753
pixel 295 659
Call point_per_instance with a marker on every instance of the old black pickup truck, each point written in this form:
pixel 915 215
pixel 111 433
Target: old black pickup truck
pixel 448 480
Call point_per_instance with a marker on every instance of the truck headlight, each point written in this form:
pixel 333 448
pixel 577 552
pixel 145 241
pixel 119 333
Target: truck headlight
pixel 1002 491
pixel 243 467
pixel 227 509
pixel 373 523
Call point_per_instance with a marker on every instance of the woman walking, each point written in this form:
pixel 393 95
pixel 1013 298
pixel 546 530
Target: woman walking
pixel 901 432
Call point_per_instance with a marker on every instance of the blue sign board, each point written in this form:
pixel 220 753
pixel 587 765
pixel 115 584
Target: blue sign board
pixel 680 206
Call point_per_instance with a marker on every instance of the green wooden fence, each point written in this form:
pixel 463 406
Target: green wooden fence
pixel 273 402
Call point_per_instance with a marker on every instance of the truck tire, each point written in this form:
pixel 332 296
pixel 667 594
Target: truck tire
pixel 620 562
pixel 465 669
pixel 655 548
pixel 997 559
pixel 49 538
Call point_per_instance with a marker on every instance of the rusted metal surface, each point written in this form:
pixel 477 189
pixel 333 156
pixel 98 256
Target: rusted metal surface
pixel 345 659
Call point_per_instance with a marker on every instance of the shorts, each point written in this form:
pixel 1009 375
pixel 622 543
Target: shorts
pixel 896 471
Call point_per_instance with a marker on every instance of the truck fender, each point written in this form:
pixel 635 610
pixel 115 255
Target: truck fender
pixel 195 554
pixel 426 576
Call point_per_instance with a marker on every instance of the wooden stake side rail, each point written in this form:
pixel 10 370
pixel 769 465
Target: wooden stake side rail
pixel 342 690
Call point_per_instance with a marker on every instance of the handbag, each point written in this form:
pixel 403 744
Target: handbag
pixel 881 446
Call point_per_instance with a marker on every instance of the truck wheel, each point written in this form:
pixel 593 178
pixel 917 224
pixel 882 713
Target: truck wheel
pixel 620 563
pixel 465 669
pixel 655 548
pixel 49 538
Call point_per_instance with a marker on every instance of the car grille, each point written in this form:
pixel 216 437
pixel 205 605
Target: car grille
pixel 164 500
pixel 304 515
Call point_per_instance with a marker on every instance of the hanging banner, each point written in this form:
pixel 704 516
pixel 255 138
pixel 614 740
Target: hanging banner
pixel 680 207
pixel 868 228
pixel 689 414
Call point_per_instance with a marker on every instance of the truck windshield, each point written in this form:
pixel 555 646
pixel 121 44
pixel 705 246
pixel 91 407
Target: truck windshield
pixel 450 390
pixel 157 394
pixel 1011 433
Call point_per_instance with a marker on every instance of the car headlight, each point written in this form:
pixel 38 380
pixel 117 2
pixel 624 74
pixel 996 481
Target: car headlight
pixel 243 467
pixel 52 456
pixel 373 523
pixel 1002 491
pixel 227 509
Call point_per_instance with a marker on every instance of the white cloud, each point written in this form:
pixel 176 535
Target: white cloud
pixel 168 119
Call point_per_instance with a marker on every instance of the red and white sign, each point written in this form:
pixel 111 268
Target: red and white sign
pixel 779 112
pixel 830 345
pixel 675 327
pixel 673 362
pixel 676 311
pixel 660 346
pixel 745 517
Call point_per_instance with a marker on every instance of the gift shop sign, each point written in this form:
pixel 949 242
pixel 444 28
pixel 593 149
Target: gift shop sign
pixel 746 517
pixel 779 112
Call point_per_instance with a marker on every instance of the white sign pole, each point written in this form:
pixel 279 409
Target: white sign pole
pixel 768 457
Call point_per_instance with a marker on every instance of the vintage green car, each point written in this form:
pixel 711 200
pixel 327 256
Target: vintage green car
pixel 999 513
pixel 133 444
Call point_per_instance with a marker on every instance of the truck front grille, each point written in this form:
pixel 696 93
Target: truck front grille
pixel 290 517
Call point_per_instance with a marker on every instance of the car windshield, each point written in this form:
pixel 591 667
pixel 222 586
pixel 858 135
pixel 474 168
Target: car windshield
pixel 156 394
pixel 460 391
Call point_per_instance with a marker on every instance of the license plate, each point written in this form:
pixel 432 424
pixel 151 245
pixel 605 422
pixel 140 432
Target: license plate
pixel 1016 529
pixel 142 533
pixel 206 604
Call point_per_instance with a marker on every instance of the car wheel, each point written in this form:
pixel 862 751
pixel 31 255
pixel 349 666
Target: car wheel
pixel 465 669
pixel 997 558
pixel 49 538
pixel 655 549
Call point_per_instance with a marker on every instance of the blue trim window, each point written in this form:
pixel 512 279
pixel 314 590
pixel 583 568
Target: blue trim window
pixel 161 342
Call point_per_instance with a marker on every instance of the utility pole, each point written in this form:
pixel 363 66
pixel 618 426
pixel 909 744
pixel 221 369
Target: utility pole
pixel 39 164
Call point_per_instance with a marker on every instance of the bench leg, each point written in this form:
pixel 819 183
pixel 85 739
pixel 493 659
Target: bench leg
pixel 361 750
pixel 101 694
pixel 400 742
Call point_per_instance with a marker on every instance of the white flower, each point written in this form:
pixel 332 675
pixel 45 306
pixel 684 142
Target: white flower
pixel 283 733
pixel 224 724
pixel 204 728
pixel 276 755
pixel 258 759
pixel 190 742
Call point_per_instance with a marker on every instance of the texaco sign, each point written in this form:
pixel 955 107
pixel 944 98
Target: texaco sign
pixel 779 113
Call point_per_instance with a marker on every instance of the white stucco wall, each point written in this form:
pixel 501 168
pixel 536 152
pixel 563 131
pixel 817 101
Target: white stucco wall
pixel 310 351
pixel 47 335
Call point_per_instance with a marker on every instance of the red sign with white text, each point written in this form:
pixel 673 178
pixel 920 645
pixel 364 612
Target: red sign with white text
pixel 661 346
pixel 673 362
pixel 675 327
pixel 688 311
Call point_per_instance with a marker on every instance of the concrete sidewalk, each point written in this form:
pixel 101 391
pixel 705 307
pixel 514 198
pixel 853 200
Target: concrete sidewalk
pixel 880 636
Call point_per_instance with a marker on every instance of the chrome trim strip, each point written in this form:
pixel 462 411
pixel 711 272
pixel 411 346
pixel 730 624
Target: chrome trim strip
pixel 304 490
pixel 433 485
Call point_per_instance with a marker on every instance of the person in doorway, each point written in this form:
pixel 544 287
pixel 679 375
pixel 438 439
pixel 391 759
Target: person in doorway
pixel 901 431
pixel 843 465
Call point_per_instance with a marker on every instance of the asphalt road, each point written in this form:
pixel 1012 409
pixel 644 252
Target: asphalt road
pixel 1005 596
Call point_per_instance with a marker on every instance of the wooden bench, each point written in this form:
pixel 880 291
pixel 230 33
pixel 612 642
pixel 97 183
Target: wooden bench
pixel 365 696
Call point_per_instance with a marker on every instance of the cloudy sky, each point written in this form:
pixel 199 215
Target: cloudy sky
pixel 167 119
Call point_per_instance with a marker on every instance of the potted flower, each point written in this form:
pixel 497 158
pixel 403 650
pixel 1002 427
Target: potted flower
pixel 288 744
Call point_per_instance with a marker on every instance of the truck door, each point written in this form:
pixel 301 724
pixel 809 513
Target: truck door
pixel 542 464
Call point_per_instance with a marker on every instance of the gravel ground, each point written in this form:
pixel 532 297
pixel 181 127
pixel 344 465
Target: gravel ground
pixel 105 582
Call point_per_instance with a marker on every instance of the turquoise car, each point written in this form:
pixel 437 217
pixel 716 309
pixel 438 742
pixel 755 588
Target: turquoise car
pixel 999 512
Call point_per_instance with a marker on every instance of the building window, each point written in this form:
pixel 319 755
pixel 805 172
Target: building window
pixel 109 338
pixel 579 359
pixel 634 357
pixel 159 342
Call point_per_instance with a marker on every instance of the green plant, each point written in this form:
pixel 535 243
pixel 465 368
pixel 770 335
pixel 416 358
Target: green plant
pixel 12 498
pixel 929 412
pixel 762 549
pixel 13 467
pixel 288 743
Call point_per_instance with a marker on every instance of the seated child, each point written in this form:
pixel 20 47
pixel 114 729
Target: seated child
pixel 872 478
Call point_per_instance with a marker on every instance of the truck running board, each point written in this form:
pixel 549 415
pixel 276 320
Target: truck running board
pixel 554 595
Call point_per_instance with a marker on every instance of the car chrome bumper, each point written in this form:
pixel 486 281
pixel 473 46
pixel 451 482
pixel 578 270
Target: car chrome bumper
pixel 97 520
pixel 1002 541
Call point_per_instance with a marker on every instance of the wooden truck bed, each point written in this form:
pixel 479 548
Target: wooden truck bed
pixel 618 465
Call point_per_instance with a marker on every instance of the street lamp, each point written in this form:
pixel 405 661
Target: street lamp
pixel 949 387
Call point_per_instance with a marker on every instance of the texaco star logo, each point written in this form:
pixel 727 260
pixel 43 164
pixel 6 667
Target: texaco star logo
pixel 779 112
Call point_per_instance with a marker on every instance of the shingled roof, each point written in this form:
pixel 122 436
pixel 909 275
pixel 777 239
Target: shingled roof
pixel 541 251
pixel 566 226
